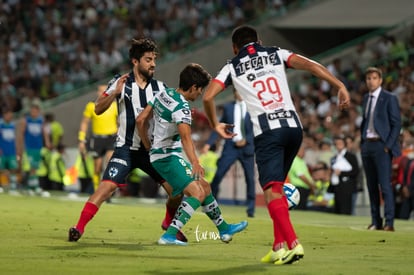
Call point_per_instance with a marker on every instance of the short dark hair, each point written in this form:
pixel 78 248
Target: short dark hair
pixel 340 137
pixel 371 70
pixel 193 74
pixel 243 35
pixel 49 117
pixel 141 46
pixel 320 165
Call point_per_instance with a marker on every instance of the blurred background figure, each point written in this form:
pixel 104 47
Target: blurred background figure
pixel 85 170
pixel 299 175
pixel 57 167
pixel 30 141
pixel 8 158
pixel 240 148
pixel 321 199
pixel 54 131
pixel 403 180
pixel 345 170
pixel 101 141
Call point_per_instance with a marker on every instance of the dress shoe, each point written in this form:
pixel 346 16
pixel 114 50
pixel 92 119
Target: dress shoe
pixel 389 228
pixel 373 227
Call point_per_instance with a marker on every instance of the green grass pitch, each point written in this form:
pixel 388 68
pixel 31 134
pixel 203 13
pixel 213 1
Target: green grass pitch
pixel 121 239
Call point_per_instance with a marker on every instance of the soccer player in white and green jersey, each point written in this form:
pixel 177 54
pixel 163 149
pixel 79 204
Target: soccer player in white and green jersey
pixel 172 134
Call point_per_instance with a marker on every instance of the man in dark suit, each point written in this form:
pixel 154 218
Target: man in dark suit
pixel 380 129
pixel 239 148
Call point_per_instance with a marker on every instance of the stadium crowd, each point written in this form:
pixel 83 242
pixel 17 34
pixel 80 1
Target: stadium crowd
pixel 52 47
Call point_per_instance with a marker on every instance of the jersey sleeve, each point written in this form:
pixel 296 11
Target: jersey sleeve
pixel 224 76
pixel 286 55
pixel 182 115
pixel 112 86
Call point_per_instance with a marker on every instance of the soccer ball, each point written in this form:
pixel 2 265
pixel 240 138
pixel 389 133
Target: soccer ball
pixel 226 238
pixel 292 195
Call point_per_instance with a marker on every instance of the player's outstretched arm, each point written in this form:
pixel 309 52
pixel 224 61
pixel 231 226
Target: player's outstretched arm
pixel 212 90
pixel 302 63
pixel 223 129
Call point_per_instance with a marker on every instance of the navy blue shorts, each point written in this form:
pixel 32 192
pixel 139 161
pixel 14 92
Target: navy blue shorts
pixel 275 151
pixel 124 160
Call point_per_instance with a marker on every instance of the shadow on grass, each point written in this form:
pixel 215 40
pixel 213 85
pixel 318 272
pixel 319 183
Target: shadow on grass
pixel 245 269
pixel 97 243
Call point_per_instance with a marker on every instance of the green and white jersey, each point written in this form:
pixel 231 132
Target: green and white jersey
pixel 170 109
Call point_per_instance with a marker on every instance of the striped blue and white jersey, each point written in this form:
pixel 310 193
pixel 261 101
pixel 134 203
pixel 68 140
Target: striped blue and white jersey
pixel 259 74
pixel 131 102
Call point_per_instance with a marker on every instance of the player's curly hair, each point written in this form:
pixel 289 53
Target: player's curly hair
pixel 193 74
pixel 141 46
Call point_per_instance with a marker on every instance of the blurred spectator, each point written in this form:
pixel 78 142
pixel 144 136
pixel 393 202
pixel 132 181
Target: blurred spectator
pixel 325 151
pixel 324 104
pixel 345 169
pixel 78 75
pixel 322 199
pixel 335 67
pixel 8 156
pixel 57 168
pixel 8 95
pixel 383 46
pixel 363 56
pixel 61 84
pixel 205 30
pixel 239 148
pixel 29 141
pixel 45 89
pixel 352 146
pixel 299 175
pixel 85 167
pixel 42 68
pixel 48 36
pixel 403 179
pixel 311 150
pixel 53 131
pixel 28 99
pixel 209 162
pixel 398 51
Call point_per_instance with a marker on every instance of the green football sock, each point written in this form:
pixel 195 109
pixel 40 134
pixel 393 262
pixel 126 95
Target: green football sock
pixel 212 210
pixel 183 214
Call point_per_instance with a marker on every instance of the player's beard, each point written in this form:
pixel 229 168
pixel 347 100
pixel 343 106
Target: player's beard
pixel 148 74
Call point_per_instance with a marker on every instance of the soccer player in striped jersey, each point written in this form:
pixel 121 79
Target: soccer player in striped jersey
pixel 172 135
pixel 132 91
pixel 259 74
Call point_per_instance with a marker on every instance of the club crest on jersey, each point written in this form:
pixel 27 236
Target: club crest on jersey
pixel 113 171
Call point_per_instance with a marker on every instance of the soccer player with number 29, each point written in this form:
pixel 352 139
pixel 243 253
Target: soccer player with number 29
pixel 259 74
